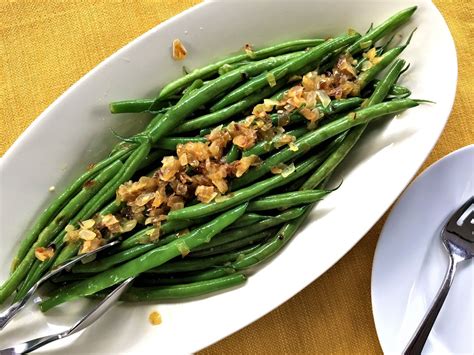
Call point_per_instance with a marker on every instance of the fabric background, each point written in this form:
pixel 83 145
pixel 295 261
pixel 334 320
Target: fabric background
pixel 333 314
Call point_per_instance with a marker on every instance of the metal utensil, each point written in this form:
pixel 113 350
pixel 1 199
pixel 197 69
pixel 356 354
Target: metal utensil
pixel 7 315
pixel 458 239
pixel 83 323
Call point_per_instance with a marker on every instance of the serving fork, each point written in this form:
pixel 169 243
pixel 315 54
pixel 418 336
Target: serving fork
pixel 8 314
pixel 83 323
pixel 458 239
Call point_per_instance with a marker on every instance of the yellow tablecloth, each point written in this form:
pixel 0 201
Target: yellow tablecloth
pixel 46 46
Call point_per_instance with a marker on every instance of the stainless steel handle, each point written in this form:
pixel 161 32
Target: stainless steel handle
pixel 417 342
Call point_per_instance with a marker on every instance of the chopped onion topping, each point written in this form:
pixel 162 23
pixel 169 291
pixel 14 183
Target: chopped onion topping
pixel 365 44
pixel 323 98
pixel 288 170
pixel 249 50
pixel 199 170
pixel 352 115
pixel 43 254
pixel 86 234
pixel 179 52
pixel 271 79
pixel 155 318
pixel 183 248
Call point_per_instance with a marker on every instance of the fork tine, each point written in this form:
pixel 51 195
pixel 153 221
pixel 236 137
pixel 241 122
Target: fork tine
pixel 452 225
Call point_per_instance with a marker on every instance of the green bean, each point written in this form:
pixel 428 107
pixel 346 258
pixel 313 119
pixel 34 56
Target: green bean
pixel 197 264
pixel 378 32
pixel 220 116
pixel 384 86
pixel 287 200
pixel 245 194
pixel 21 288
pixel 314 138
pixel 147 261
pixel 143 105
pixel 135 105
pixel 106 193
pixel 111 208
pixel 58 223
pixel 170 143
pixel 263 147
pixel 279 94
pixel 228 67
pixel 143 237
pixel 205 131
pixel 249 219
pixel 312 56
pixel 195 85
pixel 159 280
pixel 178 292
pixel 138 238
pixel 397 91
pixel 282 48
pixel 175 116
pixel 233 154
pixel 234 234
pixel 236 244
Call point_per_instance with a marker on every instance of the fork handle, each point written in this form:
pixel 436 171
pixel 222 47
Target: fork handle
pixel 31 345
pixel 7 315
pixel 417 342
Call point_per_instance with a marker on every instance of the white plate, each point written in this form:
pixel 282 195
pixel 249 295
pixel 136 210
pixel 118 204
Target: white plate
pixel 75 130
pixel 410 262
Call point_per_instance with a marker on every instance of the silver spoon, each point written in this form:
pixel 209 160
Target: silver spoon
pixel 458 239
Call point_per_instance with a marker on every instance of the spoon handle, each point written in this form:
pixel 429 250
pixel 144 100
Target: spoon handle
pixel 417 342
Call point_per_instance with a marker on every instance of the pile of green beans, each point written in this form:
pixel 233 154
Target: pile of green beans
pixel 203 247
